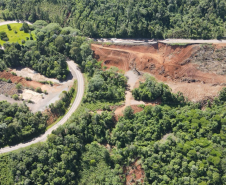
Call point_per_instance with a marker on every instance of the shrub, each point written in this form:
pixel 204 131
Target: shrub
pixel 28 78
pixel 23 41
pixel 38 89
pixel 15 97
pixel 18 86
pixel 45 92
pixel 15 31
pixel 9 27
pixel 13 73
pixel 3 36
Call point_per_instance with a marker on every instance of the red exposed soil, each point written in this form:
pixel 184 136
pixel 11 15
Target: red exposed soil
pixel 134 174
pixel 17 79
pixel 167 63
pixel 51 117
pixel 119 111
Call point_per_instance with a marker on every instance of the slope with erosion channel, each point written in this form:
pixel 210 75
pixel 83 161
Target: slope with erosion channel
pixel 168 63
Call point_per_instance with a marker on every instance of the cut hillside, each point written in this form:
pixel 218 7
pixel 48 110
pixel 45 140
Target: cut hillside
pixel 168 63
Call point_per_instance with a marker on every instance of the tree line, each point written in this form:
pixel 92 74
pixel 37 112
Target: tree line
pixel 133 19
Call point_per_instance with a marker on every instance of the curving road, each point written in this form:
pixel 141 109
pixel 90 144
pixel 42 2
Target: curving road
pixel 74 106
pixel 10 22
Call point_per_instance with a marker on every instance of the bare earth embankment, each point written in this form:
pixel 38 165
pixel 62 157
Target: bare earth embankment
pixel 171 64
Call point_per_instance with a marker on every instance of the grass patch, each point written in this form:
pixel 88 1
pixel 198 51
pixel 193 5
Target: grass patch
pixel 15 37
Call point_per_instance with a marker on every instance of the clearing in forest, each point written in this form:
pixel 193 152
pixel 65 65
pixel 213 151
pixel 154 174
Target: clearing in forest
pixel 15 35
pixel 182 67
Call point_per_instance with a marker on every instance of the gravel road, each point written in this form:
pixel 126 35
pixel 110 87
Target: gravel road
pixel 10 22
pixel 149 41
pixel 74 106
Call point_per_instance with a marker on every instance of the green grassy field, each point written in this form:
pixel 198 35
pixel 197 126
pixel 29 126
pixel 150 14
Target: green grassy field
pixel 15 37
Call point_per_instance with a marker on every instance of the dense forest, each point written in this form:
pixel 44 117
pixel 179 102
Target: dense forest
pixel 106 86
pixel 18 124
pixel 176 145
pixel 128 18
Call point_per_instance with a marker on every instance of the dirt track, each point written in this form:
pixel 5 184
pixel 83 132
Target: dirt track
pixel 167 63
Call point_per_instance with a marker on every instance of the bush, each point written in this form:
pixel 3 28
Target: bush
pixel 45 92
pixel 23 41
pixel 38 89
pixel 15 31
pixel 14 74
pixel 28 78
pixel 3 36
pixel 9 27
pixel 15 97
pixel 25 27
pixel 18 86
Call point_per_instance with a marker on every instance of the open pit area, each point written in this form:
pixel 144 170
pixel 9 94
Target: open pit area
pixel 183 67
pixel 39 101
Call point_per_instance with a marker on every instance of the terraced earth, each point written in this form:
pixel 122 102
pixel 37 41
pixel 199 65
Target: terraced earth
pixel 172 64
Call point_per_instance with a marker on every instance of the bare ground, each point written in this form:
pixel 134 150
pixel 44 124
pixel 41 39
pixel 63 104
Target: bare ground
pixel 35 76
pixel 167 63
pixel 40 104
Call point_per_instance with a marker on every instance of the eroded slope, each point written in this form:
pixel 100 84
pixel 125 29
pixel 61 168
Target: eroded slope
pixel 170 64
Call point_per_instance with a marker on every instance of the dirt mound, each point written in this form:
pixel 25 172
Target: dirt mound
pixel 17 79
pixel 170 64
pixel 134 174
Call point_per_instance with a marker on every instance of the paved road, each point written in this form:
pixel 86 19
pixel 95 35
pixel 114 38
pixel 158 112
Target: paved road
pixel 167 41
pixel 10 22
pixel 74 106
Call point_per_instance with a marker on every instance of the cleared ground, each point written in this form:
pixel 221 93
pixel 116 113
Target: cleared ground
pixel 27 72
pixel 40 101
pixel 168 63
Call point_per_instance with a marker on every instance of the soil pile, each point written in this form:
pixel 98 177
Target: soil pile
pixel 17 79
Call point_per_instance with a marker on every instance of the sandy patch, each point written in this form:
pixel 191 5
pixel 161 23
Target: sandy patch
pixel 26 72
pixel 31 95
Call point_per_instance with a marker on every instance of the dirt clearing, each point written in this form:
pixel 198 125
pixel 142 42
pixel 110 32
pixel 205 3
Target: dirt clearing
pixel 26 72
pixel 170 64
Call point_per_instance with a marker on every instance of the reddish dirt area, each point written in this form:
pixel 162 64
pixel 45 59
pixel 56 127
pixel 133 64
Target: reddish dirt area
pixel 166 63
pixel 134 174
pixel 119 111
pixel 17 79
pixel 51 117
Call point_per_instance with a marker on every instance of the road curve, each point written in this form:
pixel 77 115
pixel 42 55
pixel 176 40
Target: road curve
pixel 74 106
